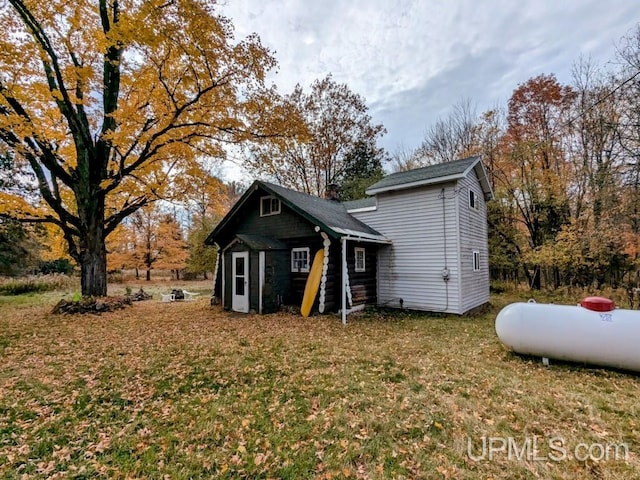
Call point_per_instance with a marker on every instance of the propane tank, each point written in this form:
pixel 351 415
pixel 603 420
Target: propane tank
pixel 593 332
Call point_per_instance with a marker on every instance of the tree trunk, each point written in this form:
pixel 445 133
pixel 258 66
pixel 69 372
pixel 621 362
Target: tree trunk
pixel 93 264
pixel 204 275
pixel 556 277
pixel 92 251
pixel 148 274
pixel 535 281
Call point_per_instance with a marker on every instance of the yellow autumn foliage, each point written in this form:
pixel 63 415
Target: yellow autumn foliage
pixel 107 102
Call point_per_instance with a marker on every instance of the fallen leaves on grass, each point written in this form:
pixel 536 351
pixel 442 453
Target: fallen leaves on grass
pixel 186 391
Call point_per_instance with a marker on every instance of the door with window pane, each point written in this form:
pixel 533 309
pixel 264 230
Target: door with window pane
pixel 240 282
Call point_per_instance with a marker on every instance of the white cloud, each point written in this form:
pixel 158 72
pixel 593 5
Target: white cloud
pixel 412 60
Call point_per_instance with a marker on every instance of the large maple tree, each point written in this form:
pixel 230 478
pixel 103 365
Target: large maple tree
pixel 103 99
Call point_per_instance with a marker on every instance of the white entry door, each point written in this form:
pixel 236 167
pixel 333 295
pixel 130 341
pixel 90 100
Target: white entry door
pixel 240 282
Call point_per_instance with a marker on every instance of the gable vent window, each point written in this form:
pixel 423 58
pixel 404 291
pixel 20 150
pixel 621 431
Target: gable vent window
pixel 269 206
pixel 300 259
pixel 473 200
pixel 476 261
pixel 360 265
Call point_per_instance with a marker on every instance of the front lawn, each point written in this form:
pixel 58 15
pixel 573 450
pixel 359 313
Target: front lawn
pixel 185 390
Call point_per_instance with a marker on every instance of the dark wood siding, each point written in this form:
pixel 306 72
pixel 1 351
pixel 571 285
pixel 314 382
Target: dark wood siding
pixel 254 281
pixel 282 286
pixel 227 281
pixel 276 280
pixel 299 279
pixel 285 225
pixel 333 297
pixel 363 284
pixel 285 287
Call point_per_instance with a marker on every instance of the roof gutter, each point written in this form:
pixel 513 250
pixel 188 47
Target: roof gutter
pixel 367 240
pixel 362 209
pixel 360 236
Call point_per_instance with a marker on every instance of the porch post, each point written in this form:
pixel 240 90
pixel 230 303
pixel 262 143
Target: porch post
pixel 261 262
pixel 215 274
pixel 224 274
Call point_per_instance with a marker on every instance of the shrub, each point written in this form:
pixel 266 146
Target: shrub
pixel 61 265
pixel 36 284
pixel 115 276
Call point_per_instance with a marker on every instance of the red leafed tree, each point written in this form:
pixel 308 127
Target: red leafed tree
pixel 532 169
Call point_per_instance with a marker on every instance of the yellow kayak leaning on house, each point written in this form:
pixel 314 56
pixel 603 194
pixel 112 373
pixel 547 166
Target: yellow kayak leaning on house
pixel 313 282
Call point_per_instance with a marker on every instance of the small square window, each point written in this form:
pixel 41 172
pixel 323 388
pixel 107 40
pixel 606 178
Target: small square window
pixel 360 259
pixel 476 261
pixel 473 200
pixel 269 206
pixel 300 259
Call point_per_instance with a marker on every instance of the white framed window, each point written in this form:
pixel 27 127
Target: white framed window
pixel 269 206
pixel 359 253
pixel 476 261
pixel 473 200
pixel 300 259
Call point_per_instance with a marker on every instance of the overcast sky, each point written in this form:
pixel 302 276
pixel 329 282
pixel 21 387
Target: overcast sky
pixel 413 60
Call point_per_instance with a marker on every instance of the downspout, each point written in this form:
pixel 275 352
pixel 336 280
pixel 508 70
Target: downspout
pixel 343 289
pixel 458 256
pixel 445 270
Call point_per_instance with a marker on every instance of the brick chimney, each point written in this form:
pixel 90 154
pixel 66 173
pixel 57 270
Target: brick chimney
pixel 332 192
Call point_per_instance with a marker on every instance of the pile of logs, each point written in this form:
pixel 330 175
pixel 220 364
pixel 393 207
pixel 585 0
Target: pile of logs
pixel 99 304
pixel 91 305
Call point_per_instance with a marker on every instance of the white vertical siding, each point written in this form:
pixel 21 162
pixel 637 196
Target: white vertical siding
pixel 473 236
pixel 411 268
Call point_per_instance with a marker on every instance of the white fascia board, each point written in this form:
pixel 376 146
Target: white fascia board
pixel 402 186
pixel 360 236
pixel 484 181
pixel 482 177
pixel 363 209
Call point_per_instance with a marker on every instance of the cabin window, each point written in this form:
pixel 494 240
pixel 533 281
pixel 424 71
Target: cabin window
pixel 300 259
pixel 473 200
pixel 269 206
pixel 476 261
pixel 360 265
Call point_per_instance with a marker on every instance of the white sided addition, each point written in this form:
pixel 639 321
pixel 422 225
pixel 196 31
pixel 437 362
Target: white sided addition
pixel 593 332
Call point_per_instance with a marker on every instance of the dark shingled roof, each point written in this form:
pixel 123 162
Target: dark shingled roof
pixel 455 168
pixel 260 242
pixel 328 213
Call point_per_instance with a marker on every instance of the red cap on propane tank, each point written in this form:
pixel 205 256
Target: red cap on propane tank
pixel 598 304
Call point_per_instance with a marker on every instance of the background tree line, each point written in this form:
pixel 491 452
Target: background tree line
pixel 564 164
pixel 108 130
